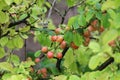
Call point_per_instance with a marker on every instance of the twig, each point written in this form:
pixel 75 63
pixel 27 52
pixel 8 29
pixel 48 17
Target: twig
pixel 106 63
pixel 75 5
pixel 59 60
pixel 58 12
pixel 66 11
pixel 50 10
pixel 19 22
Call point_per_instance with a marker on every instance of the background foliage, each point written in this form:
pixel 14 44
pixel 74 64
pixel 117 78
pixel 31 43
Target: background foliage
pixel 89 44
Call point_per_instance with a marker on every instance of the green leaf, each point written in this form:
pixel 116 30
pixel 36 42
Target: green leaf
pixel 3 41
pixel 43 39
pixel 18 42
pixel 108 35
pixel 69 58
pixel 22 16
pixel 53 69
pixel 94 62
pixel 106 48
pixel 70 2
pixel 2 52
pixel 107 5
pixel 15 59
pixel 60 77
pixel 2 4
pixel 112 13
pixel 40 2
pixel 77 39
pixel 92 2
pixel 82 56
pixel 82 20
pixel 68 37
pixel 105 20
pixel 89 15
pixel 24 29
pixel 6 66
pixel 28 63
pixel 117 57
pixel 4 17
pixel 6 76
pixel 74 21
pixel 25 36
pixel 17 1
pixel 94 46
pixel 115 18
pixel 37 53
pixel 47 4
pixel 17 77
pixel 10 44
pixel 8 2
pixel 74 77
pixel 73 68
pixel 77 21
pixel 115 76
pixel 99 15
pixel 51 25
pixel 35 11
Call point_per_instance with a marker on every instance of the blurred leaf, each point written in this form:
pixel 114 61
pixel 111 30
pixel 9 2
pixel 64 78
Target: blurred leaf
pixel 69 58
pixel 18 42
pixel 3 41
pixel 6 76
pixel 70 2
pixel 40 2
pixel 24 29
pixel 89 15
pixel 115 19
pixel 37 53
pixel 4 17
pixel 115 76
pixel 2 4
pixel 68 37
pixel 17 1
pixel 6 66
pixel 17 77
pixel 94 46
pixel 15 59
pixel 77 39
pixel 117 57
pixel 28 63
pixel 48 4
pixel 105 20
pixel 10 44
pixel 44 39
pixel 60 77
pixel 25 36
pixel 99 15
pixel 82 56
pixel 2 52
pixel 22 16
pixel 74 77
pixel 108 35
pixel 8 2
pixel 73 68
pixel 94 62
pixel 82 20
pixel 92 2
pixel 73 21
pixel 107 5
